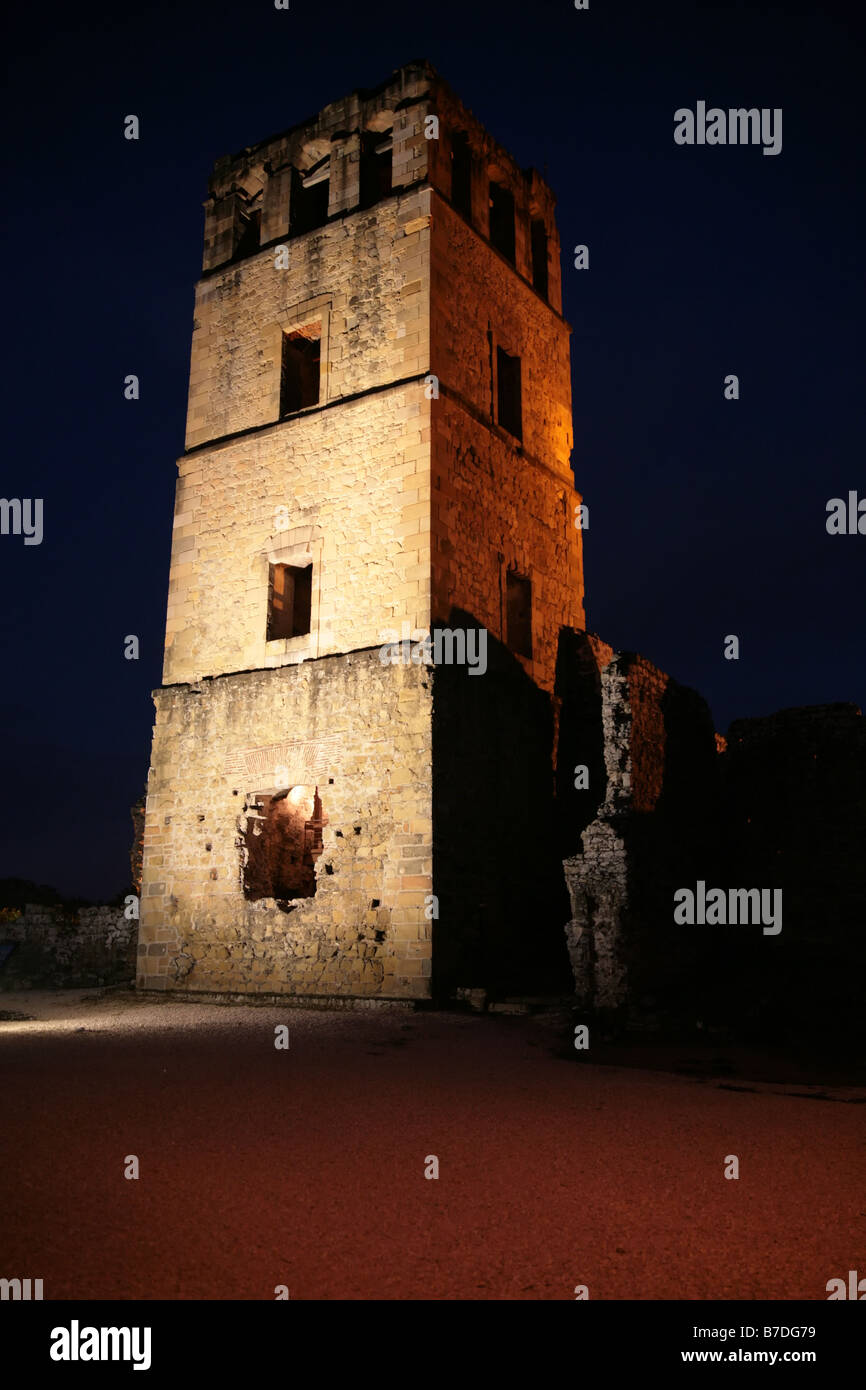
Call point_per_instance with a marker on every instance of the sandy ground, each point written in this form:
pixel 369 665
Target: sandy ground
pixel 306 1167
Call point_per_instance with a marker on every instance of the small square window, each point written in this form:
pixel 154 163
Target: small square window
pixel 518 614
pixel 299 378
pixel 508 404
pixel 289 601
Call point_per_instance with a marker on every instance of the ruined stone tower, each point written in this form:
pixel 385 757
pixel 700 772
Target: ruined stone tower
pixel 378 444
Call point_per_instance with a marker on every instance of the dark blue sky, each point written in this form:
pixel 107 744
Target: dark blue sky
pixel 707 517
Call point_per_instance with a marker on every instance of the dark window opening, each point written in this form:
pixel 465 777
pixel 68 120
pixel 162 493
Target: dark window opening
pixel 502 220
pixel 299 372
pixel 508 406
pixel 289 601
pixel 518 614
pixel 282 843
pixel 308 207
pixel 376 167
pixel 539 257
pixel 249 239
pixel 461 176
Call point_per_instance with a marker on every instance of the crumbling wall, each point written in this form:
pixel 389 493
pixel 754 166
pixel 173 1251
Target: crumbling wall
pixel 653 795
pixel 135 854
pixel 58 948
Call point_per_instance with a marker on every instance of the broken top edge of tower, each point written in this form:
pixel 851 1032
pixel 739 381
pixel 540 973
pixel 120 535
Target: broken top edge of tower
pixel 405 86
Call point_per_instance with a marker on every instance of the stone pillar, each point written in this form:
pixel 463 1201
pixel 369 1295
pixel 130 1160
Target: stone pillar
pixel 409 151
pixel 276 211
pixel 345 192
pixel 222 229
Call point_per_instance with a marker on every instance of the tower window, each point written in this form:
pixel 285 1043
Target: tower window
pixel 518 613
pixel 461 175
pixel 290 591
pixel 508 406
pixel 376 165
pixel 299 378
pixel 308 207
pixel 248 242
pixel 539 257
pixel 502 220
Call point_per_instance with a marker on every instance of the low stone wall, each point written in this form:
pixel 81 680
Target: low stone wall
pixel 57 948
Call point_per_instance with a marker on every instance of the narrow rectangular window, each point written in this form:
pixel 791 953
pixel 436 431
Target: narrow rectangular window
pixel 509 413
pixel 308 206
pixel 249 239
pixel 518 614
pixel 461 176
pixel 300 368
pixel 289 601
pixel 502 220
pixel 376 167
pixel 539 257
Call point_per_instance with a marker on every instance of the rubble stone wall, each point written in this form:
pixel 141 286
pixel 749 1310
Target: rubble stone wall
pixel 58 948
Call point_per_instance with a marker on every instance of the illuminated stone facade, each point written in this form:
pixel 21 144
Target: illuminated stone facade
pixel 378 443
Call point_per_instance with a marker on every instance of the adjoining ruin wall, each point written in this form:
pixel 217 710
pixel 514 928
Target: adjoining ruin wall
pixel 646 824
pixel 358 730
pixel 60 949
pixel 135 854
pixel 780 804
pixel 795 813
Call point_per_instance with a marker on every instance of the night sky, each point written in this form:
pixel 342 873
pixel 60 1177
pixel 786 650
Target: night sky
pixel 707 516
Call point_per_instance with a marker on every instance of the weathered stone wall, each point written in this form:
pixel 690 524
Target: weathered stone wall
pixel 354 482
pixel 58 948
pixel 654 826
pixel 359 730
pixel 500 504
pixel 363 277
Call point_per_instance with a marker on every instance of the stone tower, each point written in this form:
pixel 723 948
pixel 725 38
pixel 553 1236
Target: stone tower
pixel 378 446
